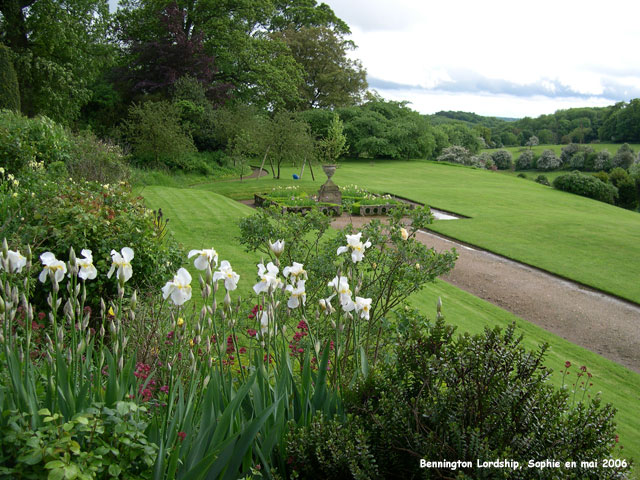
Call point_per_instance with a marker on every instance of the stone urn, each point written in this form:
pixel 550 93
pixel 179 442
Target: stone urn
pixel 329 170
pixel 330 192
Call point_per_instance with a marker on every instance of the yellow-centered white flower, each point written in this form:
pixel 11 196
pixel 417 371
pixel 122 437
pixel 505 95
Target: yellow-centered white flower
pixel 264 323
pixel 269 280
pixel 356 246
pixel 226 273
pixel 277 247
pixel 204 258
pixel 14 262
pixel 52 266
pixel 179 288
pixel 295 272
pixel 121 262
pixel 363 305
pixel 298 295
pixel 341 286
pixel 87 269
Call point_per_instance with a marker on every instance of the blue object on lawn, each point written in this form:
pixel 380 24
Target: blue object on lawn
pixel 296 177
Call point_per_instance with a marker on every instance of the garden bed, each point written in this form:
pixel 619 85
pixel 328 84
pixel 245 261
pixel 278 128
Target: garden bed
pixel 354 200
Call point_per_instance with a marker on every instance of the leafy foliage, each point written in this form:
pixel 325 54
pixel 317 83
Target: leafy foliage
pixel 59 49
pixel 525 160
pixel 53 213
pixel 502 159
pixel 476 397
pixel 31 140
pixel 548 161
pixel 155 132
pixel 97 443
pixel 9 89
pixel 328 448
pixel 587 186
pixel 331 79
pixel 157 64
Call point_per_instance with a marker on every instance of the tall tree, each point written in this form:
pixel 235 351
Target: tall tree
pixel 238 33
pixel 331 79
pixel 59 48
pixel 176 51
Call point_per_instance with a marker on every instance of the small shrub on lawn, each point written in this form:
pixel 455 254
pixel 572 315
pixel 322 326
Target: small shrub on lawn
pixel 455 154
pixel 548 161
pixel 603 161
pixel 624 157
pixel 542 179
pixel 525 160
pixel 587 186
pixel 502 159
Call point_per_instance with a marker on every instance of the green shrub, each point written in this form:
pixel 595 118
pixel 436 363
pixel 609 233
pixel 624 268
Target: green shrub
pixel 455 154
pixel 548 161
pixel 482 160
pixel 522 175
pixel 618 175
pixel 525 160
pixel 502 159
pixel 29 140
pixel 154 131
pixel 479 397
pixel 587 186
pixel 53 213
pixel 542 179
pixel 99 443
pixel 9 89
pixel 624 157
pixel 330 449
pixel 602 161
pixel 627 194
pixel 602 176
pixel 94 160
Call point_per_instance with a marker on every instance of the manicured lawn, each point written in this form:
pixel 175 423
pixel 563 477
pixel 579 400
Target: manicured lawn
pixel 576 237
pixel 202 219
pixel 587 241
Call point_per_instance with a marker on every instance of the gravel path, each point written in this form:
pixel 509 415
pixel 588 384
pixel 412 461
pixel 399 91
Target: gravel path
pixel 586 317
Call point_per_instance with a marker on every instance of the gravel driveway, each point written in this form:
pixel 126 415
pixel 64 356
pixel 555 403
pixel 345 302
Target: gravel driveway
pixel 586 317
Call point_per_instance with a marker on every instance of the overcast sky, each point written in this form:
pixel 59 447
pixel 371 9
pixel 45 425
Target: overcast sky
pixel 497 57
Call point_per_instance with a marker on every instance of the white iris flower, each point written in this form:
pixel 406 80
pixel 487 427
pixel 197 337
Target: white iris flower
pixel 204 258
pixel 87 269
pixel 226 273
pixel 52 266
pixel 356 246
pixel 121 261
pixel 179 288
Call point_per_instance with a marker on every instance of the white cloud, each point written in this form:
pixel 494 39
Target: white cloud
pixel 585 46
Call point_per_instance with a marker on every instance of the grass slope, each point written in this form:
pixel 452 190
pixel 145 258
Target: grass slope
pixel 538 149
pixel 202 219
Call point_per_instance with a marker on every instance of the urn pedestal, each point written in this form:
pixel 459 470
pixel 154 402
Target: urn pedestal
pixel 329 192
